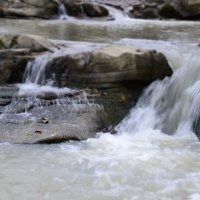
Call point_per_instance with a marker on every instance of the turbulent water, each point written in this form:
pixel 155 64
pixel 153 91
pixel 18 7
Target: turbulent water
pixel 156 154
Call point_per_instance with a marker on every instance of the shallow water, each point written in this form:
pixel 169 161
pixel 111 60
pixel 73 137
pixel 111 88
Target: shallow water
pixel 141 164
pixel 147 165
pixel 105 31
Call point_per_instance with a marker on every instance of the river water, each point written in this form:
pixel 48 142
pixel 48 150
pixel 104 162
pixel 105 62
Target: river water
pixel 142 161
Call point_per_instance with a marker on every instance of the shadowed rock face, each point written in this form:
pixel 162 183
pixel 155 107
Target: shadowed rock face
pixel 174 9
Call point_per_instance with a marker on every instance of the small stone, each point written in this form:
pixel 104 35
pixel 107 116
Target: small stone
pixel 38 131
pixel 45 120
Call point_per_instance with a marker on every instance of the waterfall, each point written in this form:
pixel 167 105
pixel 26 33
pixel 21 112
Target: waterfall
pixel 38 93
pixel 35 70
pixel 171 105
pixel 62 12
pixel 116 14
pixel 82 10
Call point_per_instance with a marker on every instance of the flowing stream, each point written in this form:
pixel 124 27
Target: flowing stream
pixel 156 154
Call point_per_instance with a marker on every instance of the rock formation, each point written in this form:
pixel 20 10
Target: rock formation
pixel 110 77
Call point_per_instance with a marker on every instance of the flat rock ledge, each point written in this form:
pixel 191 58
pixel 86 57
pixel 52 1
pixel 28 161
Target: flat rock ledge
pixel 80 124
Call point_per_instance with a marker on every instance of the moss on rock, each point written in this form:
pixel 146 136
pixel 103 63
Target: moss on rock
pixel 2 46
pixel 14 41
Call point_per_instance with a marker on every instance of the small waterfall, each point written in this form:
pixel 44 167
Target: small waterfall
pixel 35 70
pixel 116 14
pixel 62 12
pixel 171 105
pixel 37 94
pixel 82 10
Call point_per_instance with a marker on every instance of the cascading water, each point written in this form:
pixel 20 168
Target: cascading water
pixel 116 14
pixel 62 12
pixel 38 92
pixel 171 105
pixel 35 70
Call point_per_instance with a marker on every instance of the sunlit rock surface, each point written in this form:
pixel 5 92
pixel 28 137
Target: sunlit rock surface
pixel 111 65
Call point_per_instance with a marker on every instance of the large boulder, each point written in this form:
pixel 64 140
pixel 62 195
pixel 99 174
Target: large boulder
pixel 110 66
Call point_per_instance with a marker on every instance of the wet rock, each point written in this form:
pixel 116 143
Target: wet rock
pixel 16 51
pixel 6 94
pixel 80 124
pixel 12 69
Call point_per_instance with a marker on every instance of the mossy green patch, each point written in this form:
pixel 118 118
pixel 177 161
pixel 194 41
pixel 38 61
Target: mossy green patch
pixel 14 41
pixel 2 46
